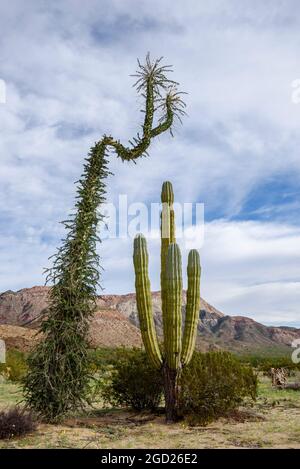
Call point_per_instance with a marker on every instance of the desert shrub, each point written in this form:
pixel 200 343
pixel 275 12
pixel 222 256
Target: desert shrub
pixel 265 363
pixel 101 362
pixel 212 384
pixel 104 357
pixel 15 366
pixel 16 422
pixel 134 382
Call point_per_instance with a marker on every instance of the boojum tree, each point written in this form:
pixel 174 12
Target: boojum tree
pixel 58 376
pixel 177 348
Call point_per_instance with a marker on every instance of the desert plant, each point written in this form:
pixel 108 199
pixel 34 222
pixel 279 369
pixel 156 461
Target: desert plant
pixel 265 363
pixel 134 381
pixel 178 350
pixel 58 376
pixel 16 422
pixel 103 357
pixel 15 367
pixel 212 384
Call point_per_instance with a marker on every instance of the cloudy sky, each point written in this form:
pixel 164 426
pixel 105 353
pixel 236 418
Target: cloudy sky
pixel 67 64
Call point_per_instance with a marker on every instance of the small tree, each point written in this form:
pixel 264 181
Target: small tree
pixel 58 376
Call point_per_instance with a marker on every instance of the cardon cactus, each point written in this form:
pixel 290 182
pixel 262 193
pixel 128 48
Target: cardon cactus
pixel 178 348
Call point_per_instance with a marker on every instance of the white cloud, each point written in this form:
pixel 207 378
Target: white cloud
pixel 67 75
pixel 248 268
pixel 253 269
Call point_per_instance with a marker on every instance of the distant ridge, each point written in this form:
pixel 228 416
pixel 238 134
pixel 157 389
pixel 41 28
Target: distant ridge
pixel 115 323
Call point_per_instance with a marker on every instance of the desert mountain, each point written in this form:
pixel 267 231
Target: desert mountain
pixel 116 323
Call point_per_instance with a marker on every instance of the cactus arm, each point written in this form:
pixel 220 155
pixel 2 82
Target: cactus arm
pixel 192 306
pixel 173 307
pixel 144 301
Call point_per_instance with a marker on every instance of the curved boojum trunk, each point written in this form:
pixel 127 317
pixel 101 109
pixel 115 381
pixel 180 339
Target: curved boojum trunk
pixel 58 374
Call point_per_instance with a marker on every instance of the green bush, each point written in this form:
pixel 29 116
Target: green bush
pixel 134 382
pixel 102 358
pixel 265 363
pixel 212 384
pixel 15 367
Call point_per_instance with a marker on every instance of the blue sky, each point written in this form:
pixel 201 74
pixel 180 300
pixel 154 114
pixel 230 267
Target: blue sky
pixel 66 68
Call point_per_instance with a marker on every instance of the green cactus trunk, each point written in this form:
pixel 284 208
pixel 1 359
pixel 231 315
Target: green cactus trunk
pixel 172 332
pixel 173 307
pixel 178 351
pixel 167 227
pixel 170 377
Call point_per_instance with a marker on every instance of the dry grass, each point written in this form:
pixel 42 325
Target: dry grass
pixel 272 422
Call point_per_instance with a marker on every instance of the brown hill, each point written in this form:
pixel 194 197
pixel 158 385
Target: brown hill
pixel 20 338
pixel 109 328
pixel 115 323
pixel 21 307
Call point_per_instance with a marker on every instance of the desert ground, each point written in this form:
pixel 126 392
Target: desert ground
pixel 271 422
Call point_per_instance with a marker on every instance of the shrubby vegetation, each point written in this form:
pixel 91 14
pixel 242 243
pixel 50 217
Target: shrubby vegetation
pixel 16 422
pixel 15 367
pixel 103 358
pixel 134 382
pixel 265 363
pixel 212 384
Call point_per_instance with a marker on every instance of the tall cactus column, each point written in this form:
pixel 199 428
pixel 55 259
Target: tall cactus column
pixel 177 350
pixel 172 329
pixel 167 232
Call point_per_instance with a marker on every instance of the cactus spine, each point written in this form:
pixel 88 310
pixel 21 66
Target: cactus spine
pixel 178 350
